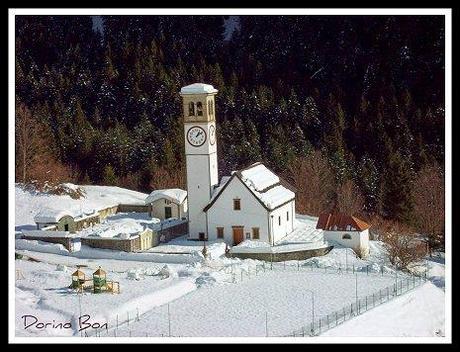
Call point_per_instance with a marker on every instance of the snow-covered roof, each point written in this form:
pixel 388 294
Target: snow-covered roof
pixel 51 216
pixel 268 188
pixel 198 88
pixel 175 195
pixel 259 177
pixel 266 185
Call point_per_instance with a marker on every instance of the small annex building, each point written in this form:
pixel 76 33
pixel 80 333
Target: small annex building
pixel 346 230
pixel 65 220
pixel 167 203
pixel 253 203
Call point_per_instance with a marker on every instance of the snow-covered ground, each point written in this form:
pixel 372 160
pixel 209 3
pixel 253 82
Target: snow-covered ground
pixel 417 313
pixel 217 297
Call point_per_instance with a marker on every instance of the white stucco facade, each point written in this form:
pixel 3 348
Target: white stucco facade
pixel 252 214
pixel 159 209
pixel 358 239
pixel 282 222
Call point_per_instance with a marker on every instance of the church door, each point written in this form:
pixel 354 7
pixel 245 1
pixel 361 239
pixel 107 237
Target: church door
pixel 238 234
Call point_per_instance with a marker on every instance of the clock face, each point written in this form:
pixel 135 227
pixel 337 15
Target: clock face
pixel 212 134
pixel 196 136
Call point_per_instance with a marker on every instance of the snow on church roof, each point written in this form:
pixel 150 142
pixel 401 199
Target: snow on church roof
pixel 259 177
pixel 175 195
pixel 266 185
pixel 268 188
pixel 198 88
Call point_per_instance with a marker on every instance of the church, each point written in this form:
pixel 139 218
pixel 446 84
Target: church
pixel 250 204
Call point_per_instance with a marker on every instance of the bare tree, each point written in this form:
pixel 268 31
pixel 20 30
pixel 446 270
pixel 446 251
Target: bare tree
pixel 35 159
pixel 163 178
pixel 349 199
pixel 27 141
pixel 315 183
pixel 428 195
pixel 403 247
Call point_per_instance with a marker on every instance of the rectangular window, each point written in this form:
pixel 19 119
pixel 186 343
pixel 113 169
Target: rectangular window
pixel 255 233
pixel 220 232
pixel 248 235
pixel 236 204
pixel 279 220
pixel 287 216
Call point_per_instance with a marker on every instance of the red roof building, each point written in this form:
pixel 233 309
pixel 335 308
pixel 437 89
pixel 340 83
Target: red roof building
pixel 340 222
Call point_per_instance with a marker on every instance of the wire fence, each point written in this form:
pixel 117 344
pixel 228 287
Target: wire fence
pixel 362 305
pixel 122 323
pixel 239 274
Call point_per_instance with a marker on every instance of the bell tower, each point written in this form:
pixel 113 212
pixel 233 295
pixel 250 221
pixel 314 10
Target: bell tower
pixel 200 152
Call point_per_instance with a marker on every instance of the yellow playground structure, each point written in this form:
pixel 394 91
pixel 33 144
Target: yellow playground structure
pixel 98 283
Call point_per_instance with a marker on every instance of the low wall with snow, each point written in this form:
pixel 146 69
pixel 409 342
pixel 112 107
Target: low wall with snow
pixel 282 256
pixel 65 241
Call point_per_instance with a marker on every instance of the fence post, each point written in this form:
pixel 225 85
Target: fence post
pixel 138 319
pixel 367 269
pixel 336 318
pixel 343 313
pixel 127 314
pixel 353 268
pixel 373 300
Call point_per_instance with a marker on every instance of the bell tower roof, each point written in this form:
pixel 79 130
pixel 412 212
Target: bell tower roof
pixel 198 88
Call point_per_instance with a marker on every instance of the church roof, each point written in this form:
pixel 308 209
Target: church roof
pixel 340 222
pixel 175 195
pixel 268 188
pixel 198 88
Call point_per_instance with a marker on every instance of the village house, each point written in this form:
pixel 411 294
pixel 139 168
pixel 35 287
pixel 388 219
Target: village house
pixel 167 203
pixel 252 203
pixel 345 230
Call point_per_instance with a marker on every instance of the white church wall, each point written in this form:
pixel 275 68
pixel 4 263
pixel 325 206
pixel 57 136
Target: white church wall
pixel 222 214
pixel 283 220
pixel 358 238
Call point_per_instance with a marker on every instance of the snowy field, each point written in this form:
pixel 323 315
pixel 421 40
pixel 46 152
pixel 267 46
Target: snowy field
pixel 216 297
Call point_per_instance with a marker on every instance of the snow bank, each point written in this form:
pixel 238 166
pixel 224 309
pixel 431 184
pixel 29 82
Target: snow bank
pixel 418 313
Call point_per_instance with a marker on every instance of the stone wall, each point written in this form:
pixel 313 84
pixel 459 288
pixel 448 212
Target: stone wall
pixel 103 213
pixel 129 208
pixel 281 257
pixel 169 233
pixel 65 241
pixel 128 245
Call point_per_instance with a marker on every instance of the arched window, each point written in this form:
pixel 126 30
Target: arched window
pixel 191 109
pixel 199 108
pixel 346 237
pixel 209 108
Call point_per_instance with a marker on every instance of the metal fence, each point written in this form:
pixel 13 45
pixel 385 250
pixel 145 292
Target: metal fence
pixel 362 305
pixel 239 274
